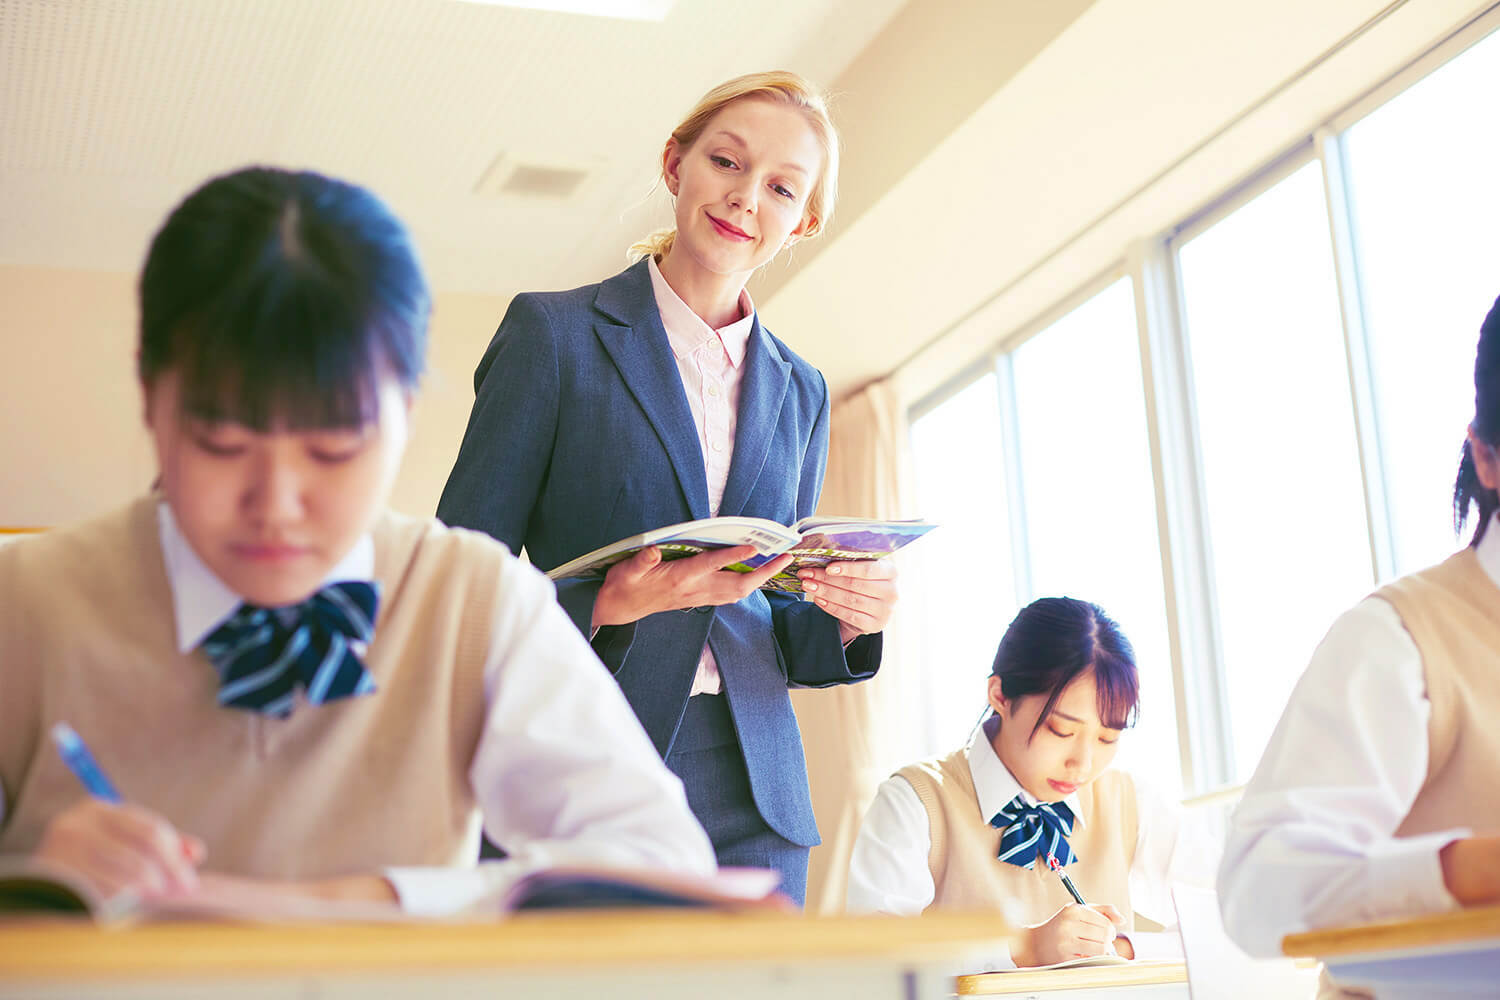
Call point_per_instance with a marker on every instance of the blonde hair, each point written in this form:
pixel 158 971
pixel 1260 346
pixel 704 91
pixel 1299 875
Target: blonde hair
pixel 785 88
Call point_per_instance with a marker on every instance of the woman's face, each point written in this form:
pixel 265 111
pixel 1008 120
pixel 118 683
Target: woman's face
pixel 272 512
pixel 1070 749
pixel 741 189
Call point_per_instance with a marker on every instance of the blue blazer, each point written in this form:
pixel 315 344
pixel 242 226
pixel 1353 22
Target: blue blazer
pixel 581 435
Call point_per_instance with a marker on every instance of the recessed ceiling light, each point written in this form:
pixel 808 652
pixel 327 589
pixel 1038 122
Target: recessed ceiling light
pixel 627 10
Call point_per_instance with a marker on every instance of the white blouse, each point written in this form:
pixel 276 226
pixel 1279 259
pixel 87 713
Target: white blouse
pixel 1313 841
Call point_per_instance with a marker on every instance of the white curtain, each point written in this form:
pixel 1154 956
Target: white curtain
pixel 855 735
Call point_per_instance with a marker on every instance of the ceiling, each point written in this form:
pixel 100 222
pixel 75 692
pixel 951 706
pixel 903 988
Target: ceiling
pixel 111 110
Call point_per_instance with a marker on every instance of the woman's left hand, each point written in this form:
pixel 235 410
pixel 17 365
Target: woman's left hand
pixel 861 595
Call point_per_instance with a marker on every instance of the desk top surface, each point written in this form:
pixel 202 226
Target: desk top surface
pixel 1088 977
pixel 1437 930
pixel 72 949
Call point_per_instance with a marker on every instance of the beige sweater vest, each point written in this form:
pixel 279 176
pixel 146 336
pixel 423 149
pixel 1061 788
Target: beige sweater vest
pixel 87 636
pixel 967 874
pixel 1452 612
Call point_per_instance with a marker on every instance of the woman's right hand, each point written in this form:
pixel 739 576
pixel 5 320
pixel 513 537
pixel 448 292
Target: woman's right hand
pixel 1072 932
pixel 118 847
pixel 645 584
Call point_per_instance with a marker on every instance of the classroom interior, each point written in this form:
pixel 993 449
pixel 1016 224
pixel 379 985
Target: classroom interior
pixel 1164 304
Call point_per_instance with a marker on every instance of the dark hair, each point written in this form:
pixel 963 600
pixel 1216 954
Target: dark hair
pixel 1055 640
pixel 282 295
pixel 1468 489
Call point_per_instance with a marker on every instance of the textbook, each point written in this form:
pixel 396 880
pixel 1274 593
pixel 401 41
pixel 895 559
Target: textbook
pixel 813 541
pixel 28 886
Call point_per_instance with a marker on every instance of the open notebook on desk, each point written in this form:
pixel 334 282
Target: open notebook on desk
pixel 29 887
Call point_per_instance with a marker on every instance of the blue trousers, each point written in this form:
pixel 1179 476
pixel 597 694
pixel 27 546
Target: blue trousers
pixel 706 755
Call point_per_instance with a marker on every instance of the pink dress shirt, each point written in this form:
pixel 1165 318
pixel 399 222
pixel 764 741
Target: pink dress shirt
pixel 710 362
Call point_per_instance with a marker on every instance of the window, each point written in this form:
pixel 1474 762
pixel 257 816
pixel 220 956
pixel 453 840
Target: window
pixel 1090 505
pixel 1425 208
pixel 968 592
pixel 1287 528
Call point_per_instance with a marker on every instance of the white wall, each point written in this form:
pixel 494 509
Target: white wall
pixel 73 442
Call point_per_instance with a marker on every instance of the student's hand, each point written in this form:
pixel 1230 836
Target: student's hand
pixel 644 584
pixel 861 595
pixel 119 847
pixel 1072 932
pixel 1471 869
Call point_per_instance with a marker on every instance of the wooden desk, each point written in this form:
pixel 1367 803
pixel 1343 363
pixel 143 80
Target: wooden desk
pixel 1442 955
pixel 663 955
pixel 1137 981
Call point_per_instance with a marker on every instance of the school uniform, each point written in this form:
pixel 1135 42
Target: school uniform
pixel 480 701
pixel 610 410
pixel 927 841
pixel 1387 751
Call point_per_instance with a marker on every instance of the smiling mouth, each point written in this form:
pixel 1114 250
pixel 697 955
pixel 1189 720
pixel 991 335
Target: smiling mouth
pixel 726 229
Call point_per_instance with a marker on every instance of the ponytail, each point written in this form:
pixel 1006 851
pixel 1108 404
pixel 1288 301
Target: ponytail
pixel 655 245
pixel 1468 489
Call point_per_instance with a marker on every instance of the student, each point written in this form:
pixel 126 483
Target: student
pixel 965 830
pixel 1376 795
pixel 657 397
pixel 213 644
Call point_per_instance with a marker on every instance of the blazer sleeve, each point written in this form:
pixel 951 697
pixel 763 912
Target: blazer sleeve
pixel 807 635
pixel 507 447
pixel 501 470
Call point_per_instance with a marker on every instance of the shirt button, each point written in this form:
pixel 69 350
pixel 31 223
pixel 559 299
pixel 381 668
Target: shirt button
pixel 718 446
pixel 713 390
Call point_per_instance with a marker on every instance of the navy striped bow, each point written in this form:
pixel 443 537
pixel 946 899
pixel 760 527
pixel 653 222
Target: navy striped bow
pixel 1034 831
pixel 262 654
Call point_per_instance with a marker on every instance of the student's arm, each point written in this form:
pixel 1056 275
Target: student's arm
pixel 1312 843
pixel 564 774
pixel 888 870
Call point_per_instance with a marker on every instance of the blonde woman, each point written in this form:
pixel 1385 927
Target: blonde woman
pixel 654 397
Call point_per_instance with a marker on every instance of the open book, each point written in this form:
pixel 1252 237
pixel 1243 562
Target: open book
pixel 27 886
pixel 813 541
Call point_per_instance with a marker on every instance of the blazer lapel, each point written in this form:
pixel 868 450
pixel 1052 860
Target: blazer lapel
pixel 762 390
pixel 638 345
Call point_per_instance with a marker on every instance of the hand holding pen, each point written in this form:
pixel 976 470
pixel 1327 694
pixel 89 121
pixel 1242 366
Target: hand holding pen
pixel 113 845
pixel 1112 915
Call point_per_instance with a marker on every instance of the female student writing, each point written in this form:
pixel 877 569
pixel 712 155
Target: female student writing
pixel 976 828
pixel 287 682
pixel 656 397
pixel 1376 795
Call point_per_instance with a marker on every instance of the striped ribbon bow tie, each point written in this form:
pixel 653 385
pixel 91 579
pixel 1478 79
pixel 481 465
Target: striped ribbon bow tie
pixel 262 654
pixel 1034 831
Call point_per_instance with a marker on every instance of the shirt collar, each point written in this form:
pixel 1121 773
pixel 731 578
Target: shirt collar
pixel 201 601
pixel 687 332
pixel 1488 550
pixel 994 783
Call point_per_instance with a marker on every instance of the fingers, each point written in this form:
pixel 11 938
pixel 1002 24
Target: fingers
pixel 1109 913
pixel 860 594
pixel 118 847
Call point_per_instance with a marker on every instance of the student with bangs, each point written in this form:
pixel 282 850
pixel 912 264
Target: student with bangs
pixel 977 828
pixel 292 686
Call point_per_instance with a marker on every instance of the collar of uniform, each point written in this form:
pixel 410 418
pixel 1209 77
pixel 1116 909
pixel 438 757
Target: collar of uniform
pixel 687 332
pixel 201 601
pixel 994 783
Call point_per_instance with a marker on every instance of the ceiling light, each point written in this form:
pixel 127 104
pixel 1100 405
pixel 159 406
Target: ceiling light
pixel 628 10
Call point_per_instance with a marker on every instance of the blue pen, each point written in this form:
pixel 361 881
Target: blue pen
pixel 81 763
